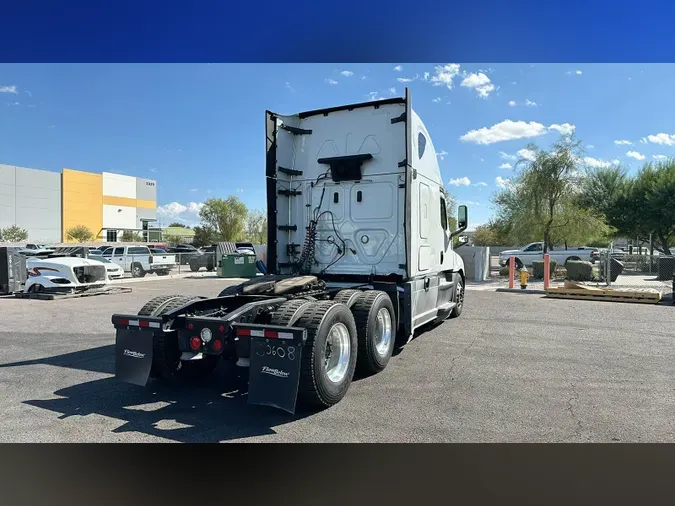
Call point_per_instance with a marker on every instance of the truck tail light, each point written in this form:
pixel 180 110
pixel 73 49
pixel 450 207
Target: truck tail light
pixel 150 259
pixel 217 345
pixel 195 343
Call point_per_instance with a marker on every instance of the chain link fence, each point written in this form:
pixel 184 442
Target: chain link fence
pixel 135 266
pixel 619 269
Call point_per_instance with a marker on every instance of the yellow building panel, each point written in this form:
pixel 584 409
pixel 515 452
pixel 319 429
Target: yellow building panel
pixel 82 201
pixel 146 204
pixel 118 201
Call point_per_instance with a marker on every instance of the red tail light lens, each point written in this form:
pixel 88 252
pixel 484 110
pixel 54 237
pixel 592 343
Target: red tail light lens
pixel 217 345
pixel 195 343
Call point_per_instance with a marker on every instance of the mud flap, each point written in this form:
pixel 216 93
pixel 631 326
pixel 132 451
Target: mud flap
pixel 274 373
pixel 133 356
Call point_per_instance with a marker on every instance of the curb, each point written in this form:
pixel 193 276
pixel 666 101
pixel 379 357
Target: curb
pixel 520 290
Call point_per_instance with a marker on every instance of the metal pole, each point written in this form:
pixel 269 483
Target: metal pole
pixel 512 270
pixel 608 274
pixel 547 270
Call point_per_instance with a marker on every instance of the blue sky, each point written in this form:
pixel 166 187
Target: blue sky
pixel 198 128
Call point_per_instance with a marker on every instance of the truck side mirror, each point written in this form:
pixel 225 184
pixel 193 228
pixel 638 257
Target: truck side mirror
pixel 462 221
pixel 462 217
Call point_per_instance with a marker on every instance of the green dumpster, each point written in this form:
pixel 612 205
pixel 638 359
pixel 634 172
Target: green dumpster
pixel 237 266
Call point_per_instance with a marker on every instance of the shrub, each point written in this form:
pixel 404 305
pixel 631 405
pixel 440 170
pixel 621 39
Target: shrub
pixel 80 233
pixel 504 271
pixel 538 268
pixel 578 270
pixel 14 234
pixel 131 236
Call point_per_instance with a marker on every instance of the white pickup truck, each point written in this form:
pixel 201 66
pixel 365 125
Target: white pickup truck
pixel 138 260
pixel 535 251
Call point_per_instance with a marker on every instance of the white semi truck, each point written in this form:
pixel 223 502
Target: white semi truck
pixel 359 256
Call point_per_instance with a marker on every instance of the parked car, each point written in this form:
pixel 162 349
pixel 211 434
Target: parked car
pixel 63 274
pixel 95 251
pixel 184 252
pixel 535 251
pixel 206 259
pixel 615 253
pixel 36 249
pixel 157 251
pixel 114 271
pixel 138 260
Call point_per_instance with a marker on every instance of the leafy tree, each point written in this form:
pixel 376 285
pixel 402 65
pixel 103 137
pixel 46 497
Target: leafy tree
pixel 256 227
pixel 204 236
pixel 546 180
pixel 173 240
pixel 227 217
pixel 131 236
pixel 80 233
pixel 14 234
pixel 176 224
pixel 490 234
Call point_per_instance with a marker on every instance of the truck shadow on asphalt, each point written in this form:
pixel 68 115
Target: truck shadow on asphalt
pixel 209 410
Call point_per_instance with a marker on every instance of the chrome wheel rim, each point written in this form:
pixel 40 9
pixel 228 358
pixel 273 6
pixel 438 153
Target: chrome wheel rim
pixel 383 332
pixel 336 353
pixel 460 294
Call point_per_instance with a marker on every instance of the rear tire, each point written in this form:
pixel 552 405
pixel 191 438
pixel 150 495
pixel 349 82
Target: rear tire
pixel 376 325
pixel 194 266
pixel 348 297
pixel 327 370
pixel 290 312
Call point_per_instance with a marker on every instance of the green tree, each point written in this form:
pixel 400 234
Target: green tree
pixel 131 236
pixel 14 234
pixel 79 233
pixel 490 234
pixel 546 179
pixel 176 224
pixel 256 227
pixel 204 236
pixel 173 240
pixel 227 217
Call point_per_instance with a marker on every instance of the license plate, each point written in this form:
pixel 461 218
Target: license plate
pixel 274 373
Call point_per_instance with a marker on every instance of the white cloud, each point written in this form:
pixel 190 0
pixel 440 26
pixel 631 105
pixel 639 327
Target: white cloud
pixel 175 211
pixel 28 93
pixel 623 143
pixel 506 165
pixel 512 103
pixel 426 76
pixel 330 81
pixel 594 163
pixel 444 75
pixel 527 154
pixel 530 103
pixel 616 161
pixel 289 87
pixel 575 72
pixel 437 99
pixel 442 154
pixel 347 73
pixel 408 79
pixel 479 82
pixel 193 190
pixel 663 139
pixel 8 89
pixel 659 157
pixel 507 130
pixel 506 156
pixel 363 77
pixel 502 182
pixel 636 155
pixel 153 169
pixel 590 146
pixel 471 202
pixel 643 140
pixel 462 181
pixel 374 95
pixel 482 183
pixel 392 91
pixel 398 68
pixel 564 129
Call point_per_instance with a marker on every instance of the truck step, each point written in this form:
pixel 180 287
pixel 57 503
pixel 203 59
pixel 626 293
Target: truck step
pixel 287 227
pixel 290 193
pixel 290 172
pixel 448 306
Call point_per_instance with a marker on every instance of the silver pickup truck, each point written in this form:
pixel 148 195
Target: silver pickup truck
pixel 138 260
pixel 535 251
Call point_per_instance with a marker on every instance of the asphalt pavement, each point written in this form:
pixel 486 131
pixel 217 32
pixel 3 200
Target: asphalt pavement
pixel 512 368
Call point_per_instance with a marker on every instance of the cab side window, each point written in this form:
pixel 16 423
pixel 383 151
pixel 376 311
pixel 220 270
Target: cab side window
pixel 444 215
pixel 421 144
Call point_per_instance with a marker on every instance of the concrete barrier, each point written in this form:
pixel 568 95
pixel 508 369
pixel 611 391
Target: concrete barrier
pixel 476 262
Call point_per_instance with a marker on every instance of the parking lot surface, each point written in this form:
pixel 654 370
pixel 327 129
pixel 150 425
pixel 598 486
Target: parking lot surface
pixel 512 368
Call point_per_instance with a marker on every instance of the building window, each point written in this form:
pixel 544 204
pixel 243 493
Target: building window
pixel 111 236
